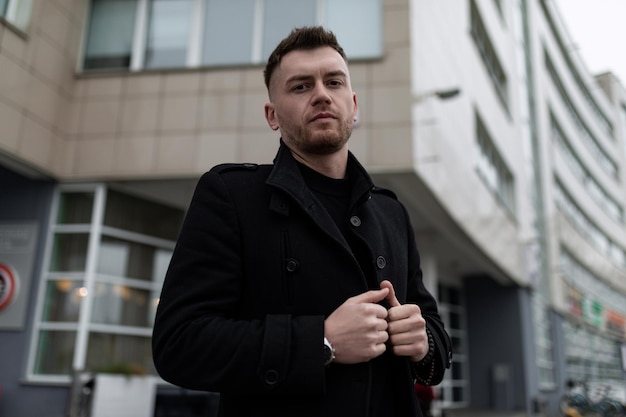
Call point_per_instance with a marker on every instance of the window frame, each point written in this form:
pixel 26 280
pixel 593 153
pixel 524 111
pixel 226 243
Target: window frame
pixel 195 46
pixel 489 56
pixel 16 14
pixel 87 279
pixel 492 168
pixel 447 307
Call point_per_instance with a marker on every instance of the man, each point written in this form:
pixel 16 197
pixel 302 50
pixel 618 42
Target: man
pixel 295 288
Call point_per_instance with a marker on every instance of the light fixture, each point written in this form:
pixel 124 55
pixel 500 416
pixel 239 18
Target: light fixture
pixel 442 94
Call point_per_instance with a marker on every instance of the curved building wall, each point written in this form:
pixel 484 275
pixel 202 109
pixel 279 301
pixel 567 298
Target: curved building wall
pixel 468 149
pixel 584 185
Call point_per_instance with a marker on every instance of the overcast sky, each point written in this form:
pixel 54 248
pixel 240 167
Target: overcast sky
pixel 598 29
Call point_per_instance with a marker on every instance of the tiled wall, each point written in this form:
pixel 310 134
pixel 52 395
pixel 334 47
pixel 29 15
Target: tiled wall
pixel 170 123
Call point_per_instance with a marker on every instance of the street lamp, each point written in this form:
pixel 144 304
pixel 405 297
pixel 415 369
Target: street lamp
pixel 442 94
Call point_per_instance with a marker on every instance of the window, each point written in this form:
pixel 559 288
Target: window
pixel 601 118
pixel 591 356
pixel 498 4
pixel 16 12
pixel 151 34
pixel 605 161
pixel 168 33
pixel 594 328
pixel 107 257
pixel 586 288
pixel 489 56
pixel 586 227
pixel 454 389
pixel 623 119
pixel 492 168
pixel 608 204
pixel 110 39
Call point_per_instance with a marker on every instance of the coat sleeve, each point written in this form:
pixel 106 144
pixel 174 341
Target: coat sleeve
pixel 418 294
pixel 199 342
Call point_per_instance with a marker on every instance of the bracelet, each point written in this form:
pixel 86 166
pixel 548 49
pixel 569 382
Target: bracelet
pixel 428 361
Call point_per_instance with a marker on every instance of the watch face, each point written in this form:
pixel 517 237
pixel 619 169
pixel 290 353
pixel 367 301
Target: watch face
pixel 329 352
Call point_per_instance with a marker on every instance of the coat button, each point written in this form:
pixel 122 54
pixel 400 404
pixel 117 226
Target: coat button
pixel 356 222
pixel 381 262
pixel 292 265
pixel 271 377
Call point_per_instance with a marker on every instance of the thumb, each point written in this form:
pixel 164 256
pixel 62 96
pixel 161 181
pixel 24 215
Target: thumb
pixel 372 296
pixel 391 296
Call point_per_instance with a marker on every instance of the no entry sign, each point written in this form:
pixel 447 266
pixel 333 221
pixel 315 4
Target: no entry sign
pixel 9 285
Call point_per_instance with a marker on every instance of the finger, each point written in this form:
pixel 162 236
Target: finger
pixel 391 297
pixel 372 296
pixel 408 311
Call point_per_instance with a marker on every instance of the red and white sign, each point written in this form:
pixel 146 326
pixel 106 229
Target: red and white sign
pixel 9 285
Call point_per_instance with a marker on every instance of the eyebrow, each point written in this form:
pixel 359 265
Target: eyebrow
pixel 302 77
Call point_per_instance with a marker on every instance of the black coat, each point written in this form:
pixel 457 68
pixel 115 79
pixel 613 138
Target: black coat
pixel 258 266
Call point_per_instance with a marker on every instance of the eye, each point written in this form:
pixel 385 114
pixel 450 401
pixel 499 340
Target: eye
pixel 335 83
pixel 299 87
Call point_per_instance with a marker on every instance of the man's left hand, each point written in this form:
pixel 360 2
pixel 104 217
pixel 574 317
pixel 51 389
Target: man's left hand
pixel 407 327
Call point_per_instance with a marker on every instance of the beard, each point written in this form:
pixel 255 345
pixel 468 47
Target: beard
pixel 320 141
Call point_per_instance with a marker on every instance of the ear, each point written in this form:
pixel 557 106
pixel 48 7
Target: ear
pixel 355 112
pixel 270 116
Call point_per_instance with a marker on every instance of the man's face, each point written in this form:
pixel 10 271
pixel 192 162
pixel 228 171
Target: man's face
pixel 312 102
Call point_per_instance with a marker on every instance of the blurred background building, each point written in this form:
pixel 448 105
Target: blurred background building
pixel 508 153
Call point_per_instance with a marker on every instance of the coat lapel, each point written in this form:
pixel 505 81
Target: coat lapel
pixel 286 177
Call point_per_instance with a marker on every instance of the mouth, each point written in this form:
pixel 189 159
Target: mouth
pixel 323 116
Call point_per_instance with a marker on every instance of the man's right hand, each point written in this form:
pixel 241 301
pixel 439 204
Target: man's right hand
pixel 357 329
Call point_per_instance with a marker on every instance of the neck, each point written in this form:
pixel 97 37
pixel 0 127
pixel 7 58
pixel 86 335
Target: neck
pixel 333 165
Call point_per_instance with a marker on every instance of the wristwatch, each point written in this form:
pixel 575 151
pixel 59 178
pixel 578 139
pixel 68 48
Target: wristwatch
pixel 329 352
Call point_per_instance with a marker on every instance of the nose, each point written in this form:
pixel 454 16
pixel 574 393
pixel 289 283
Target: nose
pixel 321 94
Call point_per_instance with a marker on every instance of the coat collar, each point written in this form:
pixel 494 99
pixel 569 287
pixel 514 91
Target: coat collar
pixel 286 176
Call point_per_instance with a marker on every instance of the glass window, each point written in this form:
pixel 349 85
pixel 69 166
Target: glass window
pixel 69 252
pixel 492 168
pixel 119 353
pixel 362 37
pixel 586 227
pixel 623 119
pixel 489 55
pixel 228 29
pixel 168 33
pixel 110 34
pixel 604 159
pixel 17 12
pixel 587 180
pixel 62 301
pixel 455 385
pixel 121 304
pixel 137 215
pixel 281 16
pixel 227 32
pixel 55 352
pixel 499 7
pixel 121 282
pixel 121 258
pixel 75 208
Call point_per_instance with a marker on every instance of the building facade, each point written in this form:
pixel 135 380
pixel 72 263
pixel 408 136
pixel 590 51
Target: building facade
pixel 508 154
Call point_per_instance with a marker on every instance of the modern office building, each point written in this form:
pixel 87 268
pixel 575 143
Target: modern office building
pixel 479 114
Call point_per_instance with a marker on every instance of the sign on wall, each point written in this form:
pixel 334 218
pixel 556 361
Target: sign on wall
pixel 17 255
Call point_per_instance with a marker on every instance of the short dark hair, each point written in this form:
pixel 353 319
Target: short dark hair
pixel 307 37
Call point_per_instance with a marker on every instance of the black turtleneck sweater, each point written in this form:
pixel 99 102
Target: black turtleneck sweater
pixel 335 194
